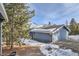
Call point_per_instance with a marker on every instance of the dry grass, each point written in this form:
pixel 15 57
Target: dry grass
pixel 23 51
pixel 26 50
pixel 69 45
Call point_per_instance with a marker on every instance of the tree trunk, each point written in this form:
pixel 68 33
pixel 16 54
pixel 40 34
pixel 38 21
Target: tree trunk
pixel 11 33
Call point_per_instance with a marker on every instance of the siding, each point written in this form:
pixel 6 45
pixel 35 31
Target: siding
pixel 0 34
pixel 63 34
pixel 55 37
pixel 42 37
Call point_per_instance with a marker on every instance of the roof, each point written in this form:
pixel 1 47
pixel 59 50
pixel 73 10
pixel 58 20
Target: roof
pixel 51 26
pixel 49 30
pixel 3 12
pixel 55 26
pixel 43 30
pixel 1 17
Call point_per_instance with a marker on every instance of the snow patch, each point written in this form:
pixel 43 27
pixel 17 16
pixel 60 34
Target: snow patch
pixel 49 49
pixel 74 37
pixel 54 50
pixel 31 42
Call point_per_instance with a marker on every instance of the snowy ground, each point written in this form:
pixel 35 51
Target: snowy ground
pixel 31 42
pixel 74 37
pixel 54 50
pixel 49 49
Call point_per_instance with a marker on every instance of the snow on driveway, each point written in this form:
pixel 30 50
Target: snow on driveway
pixel 74 37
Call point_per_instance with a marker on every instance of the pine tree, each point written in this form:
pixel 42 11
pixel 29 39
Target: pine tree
pixel 17 26
pixel 73 26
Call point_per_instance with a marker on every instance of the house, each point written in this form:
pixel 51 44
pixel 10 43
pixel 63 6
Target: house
pixel 50 33
pixel 3 16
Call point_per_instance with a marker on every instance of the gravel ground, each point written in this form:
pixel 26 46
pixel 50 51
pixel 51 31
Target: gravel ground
pixel 23 51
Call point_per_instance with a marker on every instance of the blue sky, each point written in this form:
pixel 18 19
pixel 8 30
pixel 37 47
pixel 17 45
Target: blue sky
pixel 56 13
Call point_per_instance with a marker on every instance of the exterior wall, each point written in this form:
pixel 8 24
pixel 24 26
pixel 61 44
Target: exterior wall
pixel 42 37
pixel 0 34
pixel 0 40
pixel 55 37
pixel 63 34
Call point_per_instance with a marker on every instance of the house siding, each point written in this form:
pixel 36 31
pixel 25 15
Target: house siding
pixel 0 33
pixel 55 37
pixel 42 37
pixel 63 34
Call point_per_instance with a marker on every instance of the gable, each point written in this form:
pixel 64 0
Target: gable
pixel 66 28
pixel 57 29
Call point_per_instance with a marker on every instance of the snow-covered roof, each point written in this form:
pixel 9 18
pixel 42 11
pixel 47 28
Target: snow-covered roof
pixel 43 30
pixel 50 30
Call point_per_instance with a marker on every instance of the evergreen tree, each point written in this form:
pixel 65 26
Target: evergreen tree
pixel 72 21
pixel 73 26
pixel 17 26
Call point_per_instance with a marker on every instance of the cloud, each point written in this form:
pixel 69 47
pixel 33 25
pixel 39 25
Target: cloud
pixel 55 11
pixel 67 10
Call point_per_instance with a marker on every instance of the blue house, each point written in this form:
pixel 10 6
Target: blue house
pixel 50 33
